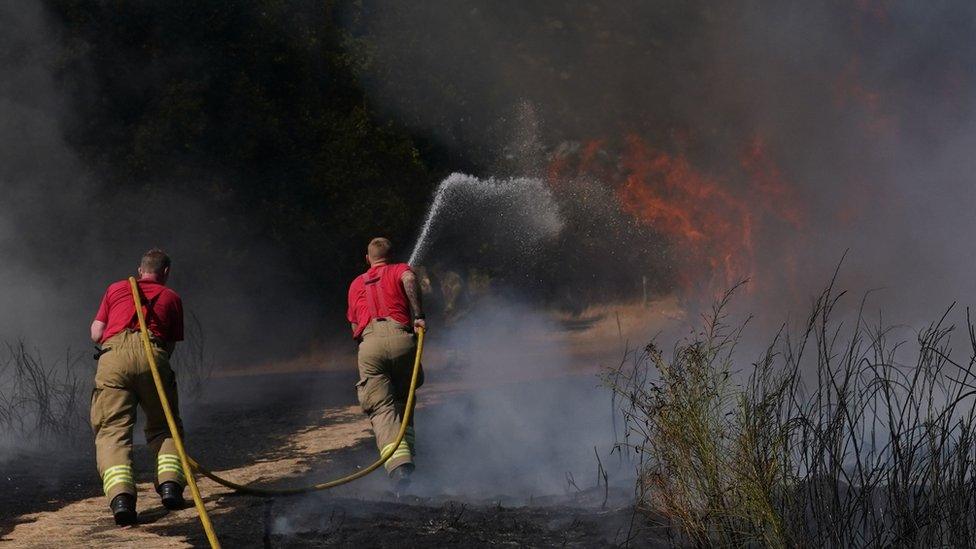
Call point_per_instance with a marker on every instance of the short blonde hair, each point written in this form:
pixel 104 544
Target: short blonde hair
pixel 154 261
pixel 379 248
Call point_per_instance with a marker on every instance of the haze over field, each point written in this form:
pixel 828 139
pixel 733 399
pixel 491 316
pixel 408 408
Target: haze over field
pixel 694 143
pixel 570 180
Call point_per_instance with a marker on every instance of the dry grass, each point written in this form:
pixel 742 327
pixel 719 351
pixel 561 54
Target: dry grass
pixel 39 401
pixel 43 402
pixel 829 440
pixel 193 362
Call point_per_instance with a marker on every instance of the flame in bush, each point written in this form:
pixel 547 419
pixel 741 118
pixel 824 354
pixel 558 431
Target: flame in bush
pixel 710 230
pixel 711 222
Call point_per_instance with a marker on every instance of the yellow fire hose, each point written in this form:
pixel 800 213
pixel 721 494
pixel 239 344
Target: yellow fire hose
pixel 173 431
pixel 189 464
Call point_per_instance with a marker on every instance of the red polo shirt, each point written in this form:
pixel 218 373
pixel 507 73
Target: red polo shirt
pixel 387 296
pixel 162 307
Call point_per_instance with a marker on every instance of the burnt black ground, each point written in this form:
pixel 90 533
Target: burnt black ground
pixel 342 522
pixel 251 418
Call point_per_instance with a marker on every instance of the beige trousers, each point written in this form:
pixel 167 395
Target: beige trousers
pixel 386 357
pixel 122 381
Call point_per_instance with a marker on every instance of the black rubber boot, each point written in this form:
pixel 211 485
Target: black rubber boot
pixel 124 509
pixel 171 493
pixel 401 476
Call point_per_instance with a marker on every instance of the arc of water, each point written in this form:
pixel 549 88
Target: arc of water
pixel 435 208
pixel 524 199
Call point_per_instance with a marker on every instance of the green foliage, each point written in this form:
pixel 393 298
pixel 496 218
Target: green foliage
pixel 251 109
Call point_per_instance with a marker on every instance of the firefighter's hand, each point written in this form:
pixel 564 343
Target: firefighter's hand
pixel 419 324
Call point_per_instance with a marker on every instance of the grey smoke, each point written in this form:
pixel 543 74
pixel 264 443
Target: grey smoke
pixel 867 108
pixel 65 235
pixel 41 182
pixel 532 421
pixel 506 82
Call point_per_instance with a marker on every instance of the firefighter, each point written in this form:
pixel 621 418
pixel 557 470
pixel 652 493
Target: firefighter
pixel 384 310
pixel 123 380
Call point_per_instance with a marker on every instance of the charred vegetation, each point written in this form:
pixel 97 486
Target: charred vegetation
pixel 839 435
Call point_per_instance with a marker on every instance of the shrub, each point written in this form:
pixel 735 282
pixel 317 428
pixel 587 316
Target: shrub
pixel 38 400
pixel 192 362
pixel 829 440
pixel 42 402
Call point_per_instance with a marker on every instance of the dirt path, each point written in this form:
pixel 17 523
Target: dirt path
pixel 278 440
pixel 87 523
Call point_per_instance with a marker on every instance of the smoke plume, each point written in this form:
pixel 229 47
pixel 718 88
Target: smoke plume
pixel 755 139
pixel 65 235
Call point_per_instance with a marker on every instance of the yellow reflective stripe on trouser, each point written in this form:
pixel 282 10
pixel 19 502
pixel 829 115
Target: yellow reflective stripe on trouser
pixel 403 450
pixel 403 446
pixel 170 463
pixel 119 474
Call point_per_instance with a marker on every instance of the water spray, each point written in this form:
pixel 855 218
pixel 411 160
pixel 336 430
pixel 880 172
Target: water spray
pixel 529 212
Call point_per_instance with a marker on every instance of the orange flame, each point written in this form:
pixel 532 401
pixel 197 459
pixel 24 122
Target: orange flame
pixel 710 221
pixel 710 229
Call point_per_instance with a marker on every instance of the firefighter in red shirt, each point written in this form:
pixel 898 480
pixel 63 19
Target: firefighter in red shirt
pixel 123 380
pixel 384 309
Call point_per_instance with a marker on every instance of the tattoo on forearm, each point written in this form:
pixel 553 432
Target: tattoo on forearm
pixel 412 289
